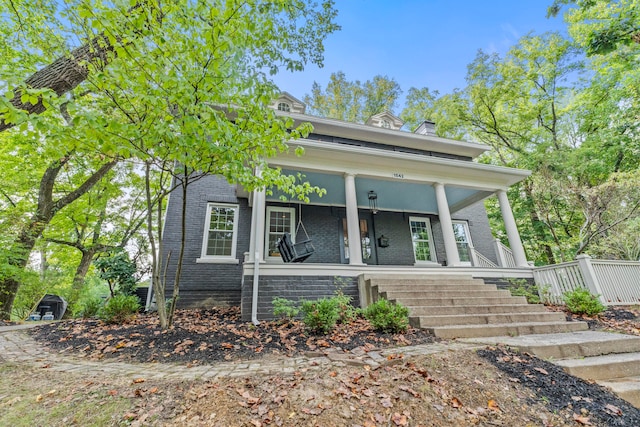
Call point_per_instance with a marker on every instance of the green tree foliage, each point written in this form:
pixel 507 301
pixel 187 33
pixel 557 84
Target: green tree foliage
pixel 119 272
pixel 172 83
pixel 353 101
pixel 601 26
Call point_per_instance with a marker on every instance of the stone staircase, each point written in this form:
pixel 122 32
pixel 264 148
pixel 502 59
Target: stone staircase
pixel 459 306
pixel 612 360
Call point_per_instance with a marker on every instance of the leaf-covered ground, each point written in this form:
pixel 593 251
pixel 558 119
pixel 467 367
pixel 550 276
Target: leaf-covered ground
pixel 207 336
pixel 489 387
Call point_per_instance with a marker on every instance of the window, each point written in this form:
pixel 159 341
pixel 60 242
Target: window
pixel 279 221
pixel 422 240
pixel 220 232
pixel 463 241
pixel 283 106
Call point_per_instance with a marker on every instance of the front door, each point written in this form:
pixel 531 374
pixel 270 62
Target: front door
pixel 367 240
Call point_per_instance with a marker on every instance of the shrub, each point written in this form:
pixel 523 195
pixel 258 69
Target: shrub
pixel 346 312
pixel 320 316
pixel 120 309
pixel 385 316
pixel 580 301
pixel 520 287
pixel 91 307
pixel 285 308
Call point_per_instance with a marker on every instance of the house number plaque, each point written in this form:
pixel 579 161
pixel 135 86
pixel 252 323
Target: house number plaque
pixel 398 175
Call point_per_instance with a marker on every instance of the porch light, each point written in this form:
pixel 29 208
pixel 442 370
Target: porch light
pixel 373 202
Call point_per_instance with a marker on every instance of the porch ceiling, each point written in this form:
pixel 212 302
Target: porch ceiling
pixel 402 167
pixel 399 196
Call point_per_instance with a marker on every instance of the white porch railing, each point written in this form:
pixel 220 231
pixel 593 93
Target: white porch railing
pixel 616 282
pixel 504 255
pixel 479 260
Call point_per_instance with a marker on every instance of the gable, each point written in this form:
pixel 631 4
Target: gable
pixel 385 120
pixel 288 104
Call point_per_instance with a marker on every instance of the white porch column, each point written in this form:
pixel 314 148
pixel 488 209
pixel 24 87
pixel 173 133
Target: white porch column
pixel 353 223
pixel 450 246
pixel 512 230
pixel 259 207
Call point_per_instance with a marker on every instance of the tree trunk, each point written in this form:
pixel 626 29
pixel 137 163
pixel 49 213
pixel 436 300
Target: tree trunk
pixel 45 211
pixel 183 233
pixel 63 74
pixel 538 225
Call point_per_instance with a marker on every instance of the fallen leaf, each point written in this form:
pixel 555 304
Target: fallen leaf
pixel 409 390
pixel 614 410
pixel 455 402
pixel 368 392
pixel 39 398
pixel 138 380
pixel 380 418
pixel 399 420
pixel 113 392
pixel 581 419
pixel 493 405
pixel 542 371
pixel 386 402
pixel 312 411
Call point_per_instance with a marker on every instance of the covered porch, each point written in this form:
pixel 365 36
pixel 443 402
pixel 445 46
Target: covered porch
pixel 392 213
pixel 390 208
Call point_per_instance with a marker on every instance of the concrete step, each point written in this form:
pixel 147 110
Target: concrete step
pixel 433 287
pixel 418 277
pixel 393 294
pixel 458 301
pixel 476 309
pixel 627 388
pixel 604 367
pixel 574 345
pixel 485 319
pixel 510 329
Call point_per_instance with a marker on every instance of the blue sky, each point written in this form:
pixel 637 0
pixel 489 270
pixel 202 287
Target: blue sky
pixel 420 42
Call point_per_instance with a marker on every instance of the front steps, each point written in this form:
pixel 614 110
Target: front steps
pixel 459 306
pixel 612 360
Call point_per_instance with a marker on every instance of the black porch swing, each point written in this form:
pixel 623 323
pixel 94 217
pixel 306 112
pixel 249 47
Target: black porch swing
pixel 298 251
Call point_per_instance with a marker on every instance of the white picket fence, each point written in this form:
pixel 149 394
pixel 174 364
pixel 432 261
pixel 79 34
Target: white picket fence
pixel 615 282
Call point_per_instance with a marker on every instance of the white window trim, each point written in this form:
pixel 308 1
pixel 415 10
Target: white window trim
pixel 432 250
pixel 465 224
pixel 270 209
pixel 219 259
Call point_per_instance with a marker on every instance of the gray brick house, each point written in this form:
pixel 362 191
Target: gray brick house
pixel 397 202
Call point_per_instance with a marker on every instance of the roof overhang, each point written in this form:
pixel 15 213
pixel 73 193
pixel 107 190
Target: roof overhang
pixel 392 165
pixel 356 131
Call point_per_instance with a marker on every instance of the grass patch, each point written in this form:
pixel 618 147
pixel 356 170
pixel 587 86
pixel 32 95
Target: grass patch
pixel 32 396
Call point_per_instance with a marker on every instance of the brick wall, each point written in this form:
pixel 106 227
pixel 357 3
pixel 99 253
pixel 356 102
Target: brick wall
pixel 294 288
pixel 204 284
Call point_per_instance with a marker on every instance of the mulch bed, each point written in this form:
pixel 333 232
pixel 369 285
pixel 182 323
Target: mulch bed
pixel 206 336
pixel 591 404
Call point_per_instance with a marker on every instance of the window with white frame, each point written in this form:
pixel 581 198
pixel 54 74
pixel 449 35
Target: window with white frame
pixel 422 239
pixel 283 106
pixel 220 231
pixel 463 240
pixel 279 221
